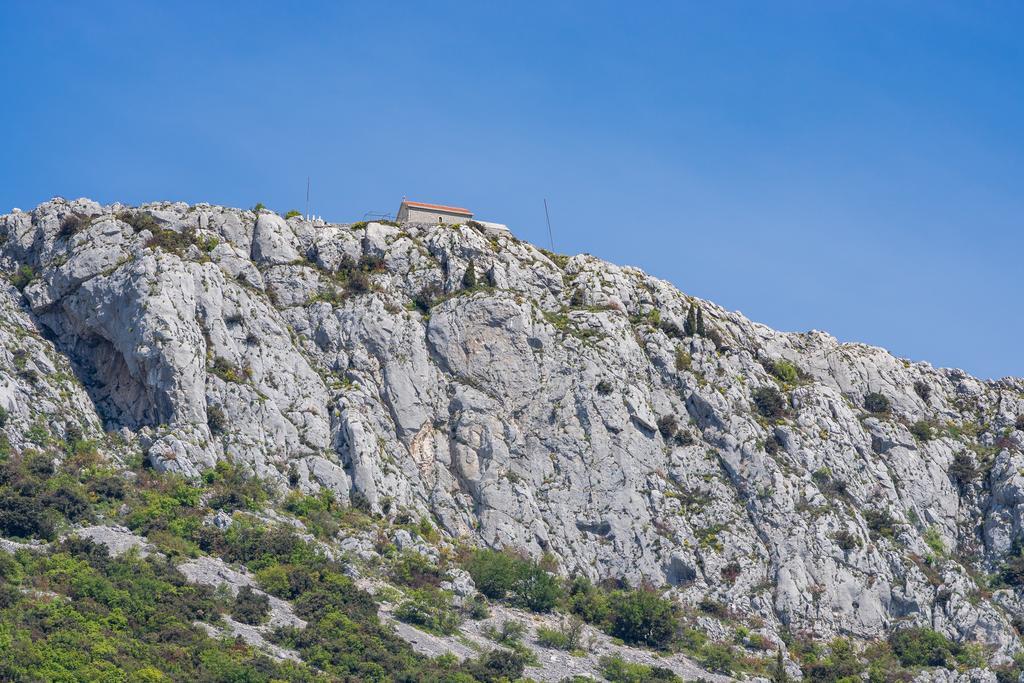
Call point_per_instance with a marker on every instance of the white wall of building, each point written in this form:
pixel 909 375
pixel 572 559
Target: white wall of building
pixel 416 214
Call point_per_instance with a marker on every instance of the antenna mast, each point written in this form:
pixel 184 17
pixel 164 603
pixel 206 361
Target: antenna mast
pixel 307 198
pixel 551 238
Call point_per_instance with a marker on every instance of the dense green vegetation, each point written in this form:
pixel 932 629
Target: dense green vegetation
pixel 70 612
pixel 75 614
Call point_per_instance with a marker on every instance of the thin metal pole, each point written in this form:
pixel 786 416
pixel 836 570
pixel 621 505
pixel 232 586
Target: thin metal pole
pixel 307 198
pixel 551 237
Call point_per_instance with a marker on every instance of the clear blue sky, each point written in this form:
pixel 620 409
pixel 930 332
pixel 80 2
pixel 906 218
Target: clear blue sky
pixel 851 167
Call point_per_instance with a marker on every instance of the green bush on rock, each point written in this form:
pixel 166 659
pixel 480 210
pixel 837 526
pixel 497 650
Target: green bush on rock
pixel 642 617
pixel 250 607
pixel 921 647
pixel 504 576
pixel 770 402
pixel 876 403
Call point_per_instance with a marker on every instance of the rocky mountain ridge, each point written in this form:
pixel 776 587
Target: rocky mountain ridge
pixel 564 406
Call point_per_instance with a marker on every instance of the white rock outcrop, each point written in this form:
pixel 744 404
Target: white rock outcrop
pixel 557 407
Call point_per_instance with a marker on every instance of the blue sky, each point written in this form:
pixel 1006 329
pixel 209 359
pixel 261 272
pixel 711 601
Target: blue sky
pixel 851 167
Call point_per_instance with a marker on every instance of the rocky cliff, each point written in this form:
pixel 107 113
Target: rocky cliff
pixel 560 405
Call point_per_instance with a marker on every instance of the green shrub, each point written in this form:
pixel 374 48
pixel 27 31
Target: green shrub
pixel 232 487
pixel 469 276
pixel 770 402
pixel 668 426
pixel 259 208
pixel 216 419
pixel 880 523
pixel 922 390
pixel 841 664
pixel 250 607
pixel 322 513
pixel 494 572
pixel 38 433
pixel 171 241
pixel 292 214
pixel 208 244
pixel 22 277
pixel 972 656
pixel 510 633
pixel 785 371
pixel 111 487
pixel 226 370
pixel 922 430
pixel 274 580
pixel 553 638
pixel 497 666
pixel 921 647
pixel 847 540
pixel 617 670
pixel 429 609
pixel 963 471
pixel 139 221
pixel 24 516
pixel 73 224
pixel 504 576
pixel 876 403
pixel 715 608
pixel 642 617
pixel 478 608
pixel 933 540
pixel 604 387
pixel 1011 571
pixel 568 636
pixel 414 570
pixel 827 483
pixel 671 330
pixel 719 657
pixel 253 545
pixel 587 601
pixel 690 325
pixel 358 282
pixel 684 361
pixel 427 298
pixel 70 502
pixel 1019 424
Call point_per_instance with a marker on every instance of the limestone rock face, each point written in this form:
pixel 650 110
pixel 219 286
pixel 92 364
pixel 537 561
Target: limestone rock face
pixel 561 405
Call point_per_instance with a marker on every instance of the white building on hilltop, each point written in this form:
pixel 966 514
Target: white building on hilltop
pixel 434 214
pixel 421 212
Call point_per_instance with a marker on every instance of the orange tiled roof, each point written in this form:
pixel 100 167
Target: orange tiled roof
pixel 438 207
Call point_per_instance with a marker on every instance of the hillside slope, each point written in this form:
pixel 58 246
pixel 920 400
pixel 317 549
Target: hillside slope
pixel 567 407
